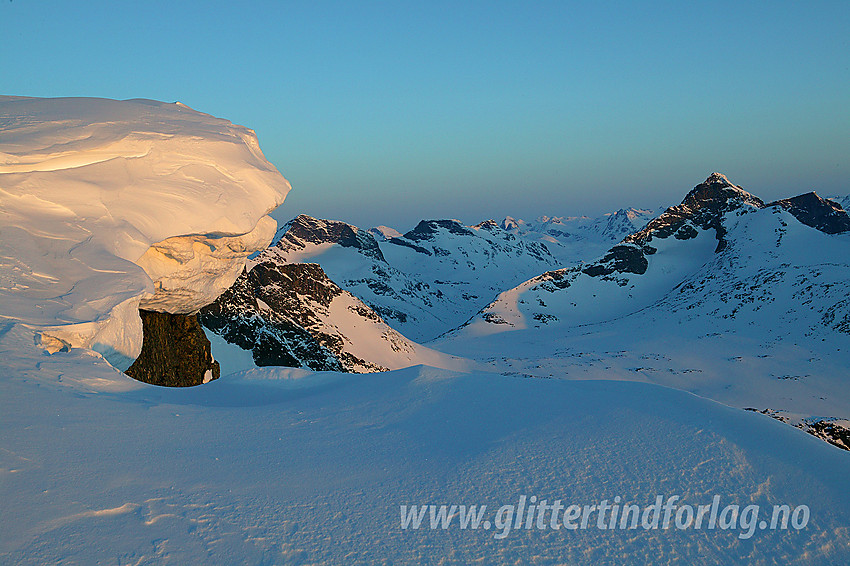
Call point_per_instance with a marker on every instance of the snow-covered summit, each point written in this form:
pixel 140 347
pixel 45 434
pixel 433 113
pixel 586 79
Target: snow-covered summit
pixel 108 205
pixel 703 207
pixel 567 231
pixel 678 242
pixel 304 233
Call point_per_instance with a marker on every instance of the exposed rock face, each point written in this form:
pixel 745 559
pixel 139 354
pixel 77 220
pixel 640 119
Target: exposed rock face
pixel 832 430
pixel 822 214
pixel 428 229
pixel 292 314
pixel 262 313
pixel 620 259
pixel 421 286
pixel 305 229
pixel 702 209
pixel 175 351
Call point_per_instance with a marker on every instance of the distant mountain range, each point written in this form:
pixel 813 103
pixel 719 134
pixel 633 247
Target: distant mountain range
pixel 329 295
pixel 420 284
pixel 723 295
pixel 424 282
pixel 719 234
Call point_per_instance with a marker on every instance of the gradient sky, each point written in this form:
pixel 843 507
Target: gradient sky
pixel 388 112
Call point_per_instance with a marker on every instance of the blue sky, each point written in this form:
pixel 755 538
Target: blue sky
pixel 387 112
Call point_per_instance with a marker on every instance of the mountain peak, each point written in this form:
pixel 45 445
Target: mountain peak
pixel 719 195
pixel 703 207
pixel 383 233
pixel 510 223
pixel 488 225
pixel 823 214
pixel 304 229
pixel 716 177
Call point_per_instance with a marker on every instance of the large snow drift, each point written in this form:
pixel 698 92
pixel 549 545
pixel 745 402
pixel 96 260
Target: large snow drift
pixel 110 205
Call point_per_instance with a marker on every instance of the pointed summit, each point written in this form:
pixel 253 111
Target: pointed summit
pixel 510 223
pixel 716 178
pixel 717 194
pixel 704 207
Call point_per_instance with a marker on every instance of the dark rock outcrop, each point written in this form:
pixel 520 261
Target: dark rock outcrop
pixel 704 208
pixel 175 351
pixel 306 229
pixel 278 312
pixel 831 432
pixel 407 244
pixel 619 259
pixel 822 214
pixel 426 229
pixel 827 429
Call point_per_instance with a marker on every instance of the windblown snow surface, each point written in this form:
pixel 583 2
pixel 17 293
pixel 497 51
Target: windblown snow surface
pixel 280 467
pixel 108 205
pixel 284 466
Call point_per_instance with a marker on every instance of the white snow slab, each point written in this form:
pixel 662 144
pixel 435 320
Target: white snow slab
pixel 107 205
pixel 307 468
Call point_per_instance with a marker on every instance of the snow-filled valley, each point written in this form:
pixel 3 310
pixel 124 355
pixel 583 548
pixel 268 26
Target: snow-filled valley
pixel 568 358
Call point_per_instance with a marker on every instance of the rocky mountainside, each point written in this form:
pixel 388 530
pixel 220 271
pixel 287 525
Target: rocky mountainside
pixel 293 315
pixel 826 215
pixel 424 282
pixel 677 242
pixel 303 232
pixel 844 201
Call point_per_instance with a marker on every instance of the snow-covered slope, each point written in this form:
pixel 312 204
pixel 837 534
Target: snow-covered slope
pixel 722 296
pixel 280 467
pixel 106 206
pixel 630 276
pixel 423 283
pixel 572 239
pixel 293 315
